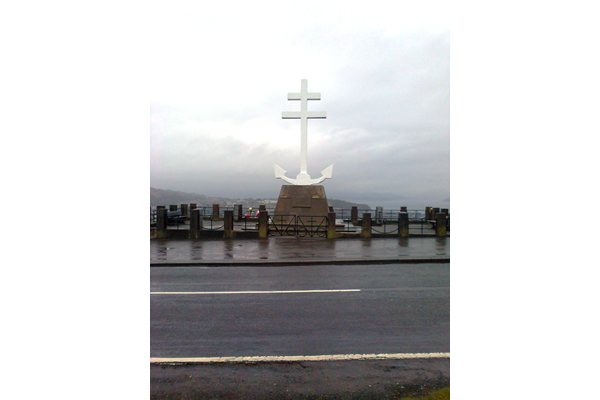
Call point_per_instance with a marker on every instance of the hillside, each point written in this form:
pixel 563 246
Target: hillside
pixel 160 197
pixel 342 204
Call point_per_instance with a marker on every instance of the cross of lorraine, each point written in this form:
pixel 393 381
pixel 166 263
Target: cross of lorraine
pixel 303 178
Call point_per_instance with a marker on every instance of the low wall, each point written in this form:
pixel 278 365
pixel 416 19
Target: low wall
pixel 369 227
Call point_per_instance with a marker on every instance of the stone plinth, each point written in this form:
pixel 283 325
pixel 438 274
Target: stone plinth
pixel 305 202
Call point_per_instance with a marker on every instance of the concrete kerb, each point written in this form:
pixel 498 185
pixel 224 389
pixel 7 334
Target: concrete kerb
pixel 266 359
pixel 291 263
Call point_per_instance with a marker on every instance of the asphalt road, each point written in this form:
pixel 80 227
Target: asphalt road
pixel 299 310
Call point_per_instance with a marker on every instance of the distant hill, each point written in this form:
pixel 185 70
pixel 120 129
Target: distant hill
pixel 376 196
pixel 160 197
pixel 341 204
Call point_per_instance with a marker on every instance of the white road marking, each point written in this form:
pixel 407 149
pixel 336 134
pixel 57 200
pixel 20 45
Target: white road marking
pixel 265 291
pixel 334 357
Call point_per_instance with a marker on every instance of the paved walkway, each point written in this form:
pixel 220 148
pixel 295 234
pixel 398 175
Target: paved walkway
pixel 292 250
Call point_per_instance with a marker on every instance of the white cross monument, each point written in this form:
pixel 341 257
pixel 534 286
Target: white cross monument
pixel 303 115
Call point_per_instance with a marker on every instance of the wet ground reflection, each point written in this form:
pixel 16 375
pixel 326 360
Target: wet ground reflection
pixel 297 248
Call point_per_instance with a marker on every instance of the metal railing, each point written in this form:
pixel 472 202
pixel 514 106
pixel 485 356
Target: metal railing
pixel 211 226
pixel 384 225
pixel 174 218
pixel 294 225
pixel 385 222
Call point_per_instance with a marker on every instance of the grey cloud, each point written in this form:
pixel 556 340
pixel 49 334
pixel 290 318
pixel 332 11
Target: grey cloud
pixel 387 128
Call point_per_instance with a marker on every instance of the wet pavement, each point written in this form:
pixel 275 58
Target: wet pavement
pixel 298 249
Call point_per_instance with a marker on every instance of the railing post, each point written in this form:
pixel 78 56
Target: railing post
pixel 184 209
pixel 228 224
pixel 331 226
pixel 428 213
pixel 195 224
pixel 379 215
pixel 354 214
pixel 440 224
pixel 366 225
pixel 192 206
pixel 215 213
pixel 161 222
pixel 403 209
pixel 403 225
pixel 240 212
pixel 173 207
pixel 263 225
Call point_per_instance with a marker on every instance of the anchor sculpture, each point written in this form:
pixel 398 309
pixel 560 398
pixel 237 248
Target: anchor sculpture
pixel 303 178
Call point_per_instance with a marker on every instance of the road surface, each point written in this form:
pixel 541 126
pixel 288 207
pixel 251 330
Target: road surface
pixel 299 310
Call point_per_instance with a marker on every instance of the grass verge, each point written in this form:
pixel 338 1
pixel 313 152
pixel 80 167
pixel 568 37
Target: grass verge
pixel 442 394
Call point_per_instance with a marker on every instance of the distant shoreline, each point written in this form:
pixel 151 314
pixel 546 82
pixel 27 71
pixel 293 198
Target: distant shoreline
pixel 167 197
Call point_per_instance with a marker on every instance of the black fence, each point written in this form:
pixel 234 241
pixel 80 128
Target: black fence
pixel 348 221
pixel 295 225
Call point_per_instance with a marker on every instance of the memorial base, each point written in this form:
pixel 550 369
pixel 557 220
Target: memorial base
pixel 304 206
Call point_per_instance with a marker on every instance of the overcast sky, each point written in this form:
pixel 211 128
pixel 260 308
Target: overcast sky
pixel 220 76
